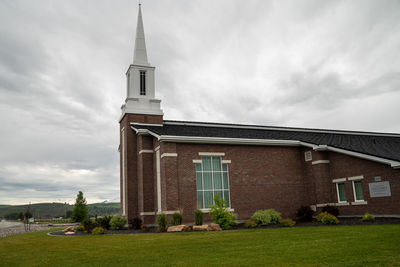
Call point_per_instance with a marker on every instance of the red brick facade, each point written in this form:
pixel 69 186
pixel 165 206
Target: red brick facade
pixel 260 177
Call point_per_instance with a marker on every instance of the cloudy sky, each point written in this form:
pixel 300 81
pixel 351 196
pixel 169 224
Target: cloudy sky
pixel 323 64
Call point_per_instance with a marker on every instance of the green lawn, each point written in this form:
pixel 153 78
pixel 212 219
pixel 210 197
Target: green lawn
pixel 310 246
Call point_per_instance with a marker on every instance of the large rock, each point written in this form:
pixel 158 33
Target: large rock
pixel 178 228
pixel 203 227
pixel 70 233
pixel 214 227
pixel 69 229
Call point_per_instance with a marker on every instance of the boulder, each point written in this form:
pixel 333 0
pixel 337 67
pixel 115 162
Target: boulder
pixel 214 227
pixel 203 227
pixel 69 229
pixel 178 228
pixel 69 233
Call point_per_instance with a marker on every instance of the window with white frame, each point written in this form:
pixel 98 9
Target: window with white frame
pixel 211 179
pixel 358 191
pixel 341 192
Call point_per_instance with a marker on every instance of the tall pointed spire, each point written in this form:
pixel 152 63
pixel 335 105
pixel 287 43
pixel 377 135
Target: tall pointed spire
pixel 140 53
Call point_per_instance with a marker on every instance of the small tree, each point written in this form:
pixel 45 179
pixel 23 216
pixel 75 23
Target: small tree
pixel 80 211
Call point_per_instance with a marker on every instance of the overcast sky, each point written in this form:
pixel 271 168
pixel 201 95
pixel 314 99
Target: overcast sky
pixel 321 64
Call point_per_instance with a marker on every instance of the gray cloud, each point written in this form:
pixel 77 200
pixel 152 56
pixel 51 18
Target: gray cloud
pixel 307 63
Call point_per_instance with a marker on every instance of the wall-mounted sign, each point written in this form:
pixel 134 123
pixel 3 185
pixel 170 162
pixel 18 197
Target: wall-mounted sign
pixel 381 189
pixel 378 178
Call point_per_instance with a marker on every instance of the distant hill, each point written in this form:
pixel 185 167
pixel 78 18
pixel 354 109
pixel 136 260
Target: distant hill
pixel 55 210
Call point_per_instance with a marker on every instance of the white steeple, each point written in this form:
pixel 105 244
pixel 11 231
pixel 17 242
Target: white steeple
pixel 140 93
pixel 140 53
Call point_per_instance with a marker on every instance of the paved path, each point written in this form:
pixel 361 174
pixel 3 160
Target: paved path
pixel 13 228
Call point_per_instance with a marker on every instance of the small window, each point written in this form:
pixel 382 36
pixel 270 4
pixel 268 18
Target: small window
pixel 142 82
pixel 358 191
pixel 341 192
pixel 308 156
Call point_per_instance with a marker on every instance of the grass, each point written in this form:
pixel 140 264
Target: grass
pixel 302 246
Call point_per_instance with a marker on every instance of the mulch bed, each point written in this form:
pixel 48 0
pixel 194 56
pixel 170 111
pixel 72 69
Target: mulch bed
pixel 343 221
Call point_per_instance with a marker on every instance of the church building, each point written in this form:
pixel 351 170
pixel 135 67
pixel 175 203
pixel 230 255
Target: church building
pixel 168 166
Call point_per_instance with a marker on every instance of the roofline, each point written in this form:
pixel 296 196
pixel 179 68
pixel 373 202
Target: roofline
pixel 260 142
pixel 260 127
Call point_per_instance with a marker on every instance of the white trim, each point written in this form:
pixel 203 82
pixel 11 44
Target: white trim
pixel 197 161
pixel 211 154
pixel 123 128
pixel 124 182
pixel 168 212
pixel 158 173
pixel 147 213
pixel 221 125
pixel 208 210
pixel 226 161
pixel 320 162
pixel 342 204
pixel 263 142
pixel 356 178
pixel 169 155
pixel 392 163
pixel 146 124
pixel 157 148
pixel 359 203
pixel 145 151
pixel 340 180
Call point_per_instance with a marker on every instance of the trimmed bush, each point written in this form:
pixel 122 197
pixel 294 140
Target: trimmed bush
pixel 136 223
pixel 98 231
pixel 220 214
pixel 266 217
pixel 177 218
pixel 304 214
pixel 104 222
pixel 368 217
pixel 287 223
pixel 79 228
pixel 198 217
pixel 89 225
pixel 331 210
pixel 162 222
pixel 327 218
pixel 117 222
pixel 250 224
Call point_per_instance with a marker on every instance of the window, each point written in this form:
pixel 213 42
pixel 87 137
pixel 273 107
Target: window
pixel 142 82
pixel 341 192
pixel 211 180
pixel 358 191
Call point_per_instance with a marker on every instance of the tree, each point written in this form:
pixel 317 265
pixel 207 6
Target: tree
pixel 80 211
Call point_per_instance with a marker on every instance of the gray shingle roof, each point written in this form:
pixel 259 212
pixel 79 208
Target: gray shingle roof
pixel 375 144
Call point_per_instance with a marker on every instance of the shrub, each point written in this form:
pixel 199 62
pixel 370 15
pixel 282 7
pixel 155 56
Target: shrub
pixel 162 222
pixel 220 213
pixel 331 210
pixel 177 218
pixel 198 217
pixel 80 212
pixel 136 223
pixel 79 228
pixel 250 224
pixel 117 222
pixel 288 223
pixel 104 222
pixel 98 231
pixel 304 214
pixel 89 225
pixel 368 217
pixel 266 217
pixel 327 218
